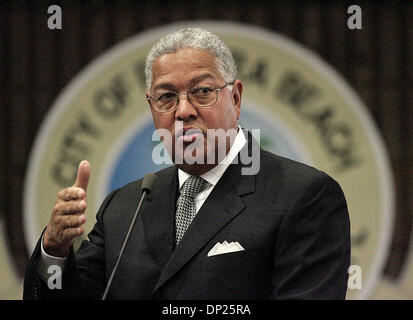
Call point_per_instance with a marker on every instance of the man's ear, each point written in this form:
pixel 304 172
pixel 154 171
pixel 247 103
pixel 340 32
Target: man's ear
pixel 236 96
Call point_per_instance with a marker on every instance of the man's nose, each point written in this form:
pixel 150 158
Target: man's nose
pixel 185 110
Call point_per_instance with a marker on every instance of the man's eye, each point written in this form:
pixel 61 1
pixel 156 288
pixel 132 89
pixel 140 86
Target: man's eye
pixel 166 96
pixel 202 90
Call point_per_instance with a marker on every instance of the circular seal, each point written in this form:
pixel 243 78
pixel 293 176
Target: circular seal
pixel 304 109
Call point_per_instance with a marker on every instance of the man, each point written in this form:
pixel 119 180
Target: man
pixel 210 229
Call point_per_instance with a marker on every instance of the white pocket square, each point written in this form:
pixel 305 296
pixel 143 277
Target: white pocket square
pixel 225 247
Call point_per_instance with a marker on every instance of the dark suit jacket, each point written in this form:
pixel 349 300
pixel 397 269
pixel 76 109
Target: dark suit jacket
pixel 291 219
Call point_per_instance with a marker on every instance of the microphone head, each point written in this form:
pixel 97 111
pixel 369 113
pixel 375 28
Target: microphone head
pixel 148 182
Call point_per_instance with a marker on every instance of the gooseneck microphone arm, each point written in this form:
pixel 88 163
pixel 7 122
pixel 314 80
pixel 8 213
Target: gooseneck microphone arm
pixel 148 182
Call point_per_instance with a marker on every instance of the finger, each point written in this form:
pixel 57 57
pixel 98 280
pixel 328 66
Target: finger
pixel 71 233
pixel 83 175
pixel 71 221
pixel 70 207
pixel 71 193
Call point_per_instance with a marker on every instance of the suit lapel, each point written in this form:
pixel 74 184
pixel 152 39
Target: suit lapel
pixel 158 216
pixel 223 204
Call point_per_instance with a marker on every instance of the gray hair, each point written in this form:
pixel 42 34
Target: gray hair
pixel 195 38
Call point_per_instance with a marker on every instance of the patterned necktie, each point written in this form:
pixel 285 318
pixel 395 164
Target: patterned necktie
pixel 186 210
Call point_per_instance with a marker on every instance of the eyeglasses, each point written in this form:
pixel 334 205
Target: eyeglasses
pixel 199 97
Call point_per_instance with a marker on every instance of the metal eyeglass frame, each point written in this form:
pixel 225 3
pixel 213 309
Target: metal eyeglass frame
pixel 217 90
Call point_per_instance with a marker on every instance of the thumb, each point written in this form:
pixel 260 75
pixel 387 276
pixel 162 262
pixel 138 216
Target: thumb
pixel 83 175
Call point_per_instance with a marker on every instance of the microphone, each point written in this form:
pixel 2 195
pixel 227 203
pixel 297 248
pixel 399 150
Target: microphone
pixel 147 184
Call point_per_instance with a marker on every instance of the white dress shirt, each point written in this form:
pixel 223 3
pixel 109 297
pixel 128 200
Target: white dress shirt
pixel 212 177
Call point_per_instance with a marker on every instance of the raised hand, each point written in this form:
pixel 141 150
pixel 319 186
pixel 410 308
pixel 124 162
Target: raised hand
pixel 68 215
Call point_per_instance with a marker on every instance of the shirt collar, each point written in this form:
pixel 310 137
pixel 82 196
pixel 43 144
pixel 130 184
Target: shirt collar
pixel 212 176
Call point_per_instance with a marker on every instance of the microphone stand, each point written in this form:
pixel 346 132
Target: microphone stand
pixel 147 184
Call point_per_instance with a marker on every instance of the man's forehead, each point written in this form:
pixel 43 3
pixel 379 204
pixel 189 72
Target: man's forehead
pixel 192 81
pixel 185 56
pixel 184 59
